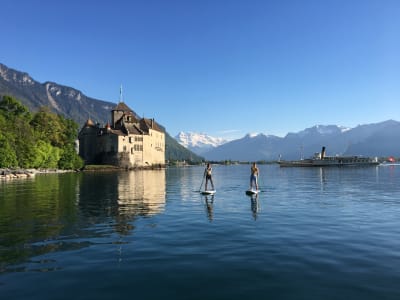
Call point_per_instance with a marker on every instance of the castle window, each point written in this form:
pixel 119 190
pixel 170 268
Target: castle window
pixel 132 150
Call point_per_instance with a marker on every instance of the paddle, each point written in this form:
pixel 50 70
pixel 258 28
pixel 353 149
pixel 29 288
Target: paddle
pixel 201 184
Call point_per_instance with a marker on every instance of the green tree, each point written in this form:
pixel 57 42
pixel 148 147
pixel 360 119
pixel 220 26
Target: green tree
pixel 46 140
pixel 48 127
pixel 24 143
pixel 8 158
pixel 70 130
pixel 15 127
pixel 69 159
pixel 11 108
pixel 46 156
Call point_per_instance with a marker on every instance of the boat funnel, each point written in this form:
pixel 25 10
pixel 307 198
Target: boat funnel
pixel 323 152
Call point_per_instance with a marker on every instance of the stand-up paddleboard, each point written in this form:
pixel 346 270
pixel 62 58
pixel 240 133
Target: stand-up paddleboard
pixel 252 192
pixel 212 192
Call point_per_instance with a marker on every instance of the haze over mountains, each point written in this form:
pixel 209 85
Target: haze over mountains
pixel 380 139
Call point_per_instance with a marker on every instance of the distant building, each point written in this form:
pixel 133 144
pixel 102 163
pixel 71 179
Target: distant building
pixel 127 142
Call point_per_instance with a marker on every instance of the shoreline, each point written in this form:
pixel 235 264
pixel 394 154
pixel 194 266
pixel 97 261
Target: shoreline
pixel 10 174
pixel 19 173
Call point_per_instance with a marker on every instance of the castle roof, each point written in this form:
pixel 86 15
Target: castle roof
pixel 131 117
pixel 132 129
pixel 89 123
pixel 146 124
pixel 127 129
pixel 121 106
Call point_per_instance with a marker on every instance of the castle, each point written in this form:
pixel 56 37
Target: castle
pixel 128 142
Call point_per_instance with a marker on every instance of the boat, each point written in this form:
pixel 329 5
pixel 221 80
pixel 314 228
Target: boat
pixel 208 192
pixel 391 161
pixel 251 192
pixel 322 160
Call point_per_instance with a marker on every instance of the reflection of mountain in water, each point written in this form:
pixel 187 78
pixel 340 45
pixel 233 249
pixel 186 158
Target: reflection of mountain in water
pixel 141 192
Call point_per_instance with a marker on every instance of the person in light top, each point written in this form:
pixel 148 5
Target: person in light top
pixel 254 177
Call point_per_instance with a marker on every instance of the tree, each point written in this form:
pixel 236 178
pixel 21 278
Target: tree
pixel 15 128
pixel 48 127
pixel 46 140
pixel 46 156
pixel 24 143
pixel 70 130
pixel 69 159
pixel 11 108
pixel 8 158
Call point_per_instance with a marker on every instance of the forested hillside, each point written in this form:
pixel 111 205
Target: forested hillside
pixel 36 140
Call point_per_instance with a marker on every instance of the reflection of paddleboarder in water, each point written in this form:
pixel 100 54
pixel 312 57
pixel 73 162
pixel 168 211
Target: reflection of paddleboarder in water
pixel 208 176
pixel 254 176
pixel 209 205
pixel 254 206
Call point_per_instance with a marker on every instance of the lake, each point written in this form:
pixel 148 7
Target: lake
pixel 311 233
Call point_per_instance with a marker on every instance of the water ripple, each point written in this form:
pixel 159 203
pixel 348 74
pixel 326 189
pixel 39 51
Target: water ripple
pixel 310 234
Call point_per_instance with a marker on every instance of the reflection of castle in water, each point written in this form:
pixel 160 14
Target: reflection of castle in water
pixel 122 196
pixel 141 192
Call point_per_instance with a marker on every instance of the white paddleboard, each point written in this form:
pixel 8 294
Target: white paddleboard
pixel 208 192
pixel 252 192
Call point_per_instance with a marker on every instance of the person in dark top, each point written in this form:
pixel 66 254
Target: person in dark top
pixel 208 176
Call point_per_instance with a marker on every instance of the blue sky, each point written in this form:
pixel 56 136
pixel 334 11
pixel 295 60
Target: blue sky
pixel 221 67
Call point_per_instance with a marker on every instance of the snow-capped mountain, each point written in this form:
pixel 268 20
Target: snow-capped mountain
pixel 380 139
pixel 199 142
pixel 323 130
pixel 252 147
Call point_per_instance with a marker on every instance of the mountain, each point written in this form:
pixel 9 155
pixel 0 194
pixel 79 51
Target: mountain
pixel 249 148
pixel 175 151
pixel 198 142
pixel 63 100
pixel 71 103
pixel 380 139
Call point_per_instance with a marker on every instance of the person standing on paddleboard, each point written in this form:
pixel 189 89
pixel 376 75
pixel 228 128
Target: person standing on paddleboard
pixel 207 175
pixel 254 176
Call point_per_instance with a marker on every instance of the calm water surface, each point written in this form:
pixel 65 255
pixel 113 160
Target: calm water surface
pixel 310 234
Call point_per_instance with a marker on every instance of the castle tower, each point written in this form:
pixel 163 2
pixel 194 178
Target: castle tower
pixel 119 110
